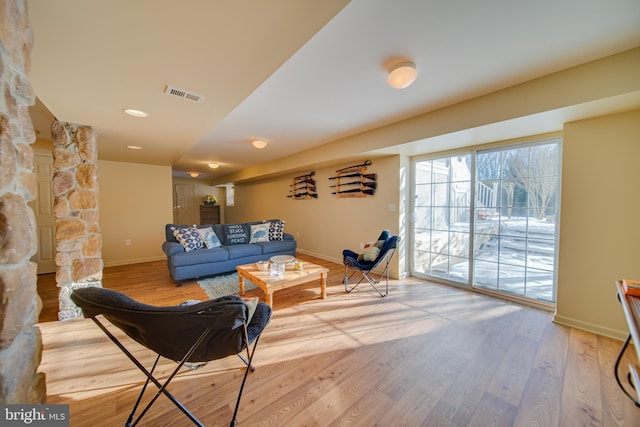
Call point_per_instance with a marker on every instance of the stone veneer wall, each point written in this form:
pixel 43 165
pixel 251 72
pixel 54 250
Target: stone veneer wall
pixel 20 340
pixel 75 190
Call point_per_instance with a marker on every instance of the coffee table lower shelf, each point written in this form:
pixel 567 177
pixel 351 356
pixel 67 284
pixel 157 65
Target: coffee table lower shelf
pixel 269 284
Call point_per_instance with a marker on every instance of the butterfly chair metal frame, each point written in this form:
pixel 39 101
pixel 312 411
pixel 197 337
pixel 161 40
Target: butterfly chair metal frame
pixel 367 269
pixel 92 302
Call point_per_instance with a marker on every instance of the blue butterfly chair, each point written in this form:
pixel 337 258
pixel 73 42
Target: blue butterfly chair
pixel 366 268
pixel 191 334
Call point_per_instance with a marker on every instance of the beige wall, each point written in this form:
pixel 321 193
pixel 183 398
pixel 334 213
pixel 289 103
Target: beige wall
pixel 325 226
pixel 135 204
pixel 600 220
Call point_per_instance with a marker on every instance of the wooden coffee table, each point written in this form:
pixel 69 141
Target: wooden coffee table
pixel 269 284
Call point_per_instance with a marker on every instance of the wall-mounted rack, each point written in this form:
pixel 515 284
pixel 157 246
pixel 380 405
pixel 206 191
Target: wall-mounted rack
pixel 354 182
pixel 303 187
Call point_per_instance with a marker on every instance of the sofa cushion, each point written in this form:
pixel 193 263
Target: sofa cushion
pixel 202 256
pixel 259 233
pixel 235 234
pixel 277 246
pixel 243 250
pixel 189 238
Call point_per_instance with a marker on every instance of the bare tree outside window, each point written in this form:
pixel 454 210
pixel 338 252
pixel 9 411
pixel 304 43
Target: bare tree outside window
pixel 535 169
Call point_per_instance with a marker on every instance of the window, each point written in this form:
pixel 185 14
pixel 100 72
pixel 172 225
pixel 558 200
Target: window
pixel 513 193
pixel 230 196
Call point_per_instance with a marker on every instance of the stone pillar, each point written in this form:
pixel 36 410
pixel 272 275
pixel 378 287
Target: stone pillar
pixel 20 340
pixel 75 191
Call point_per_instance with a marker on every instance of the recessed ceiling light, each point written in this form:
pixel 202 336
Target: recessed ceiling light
pixel 213 165
pixel 194 174
pixel 134 147
pixel 135 113
pixel 259 143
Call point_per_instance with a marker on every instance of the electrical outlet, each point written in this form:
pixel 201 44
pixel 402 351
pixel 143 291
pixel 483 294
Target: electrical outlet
pixel 127 242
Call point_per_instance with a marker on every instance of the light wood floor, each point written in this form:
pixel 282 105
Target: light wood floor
pixel 426 355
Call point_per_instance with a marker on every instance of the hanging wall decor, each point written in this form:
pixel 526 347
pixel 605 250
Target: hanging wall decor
pixel 353 181
pixel 303 187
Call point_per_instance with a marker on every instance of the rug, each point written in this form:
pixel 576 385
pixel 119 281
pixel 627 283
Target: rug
pixel 219 286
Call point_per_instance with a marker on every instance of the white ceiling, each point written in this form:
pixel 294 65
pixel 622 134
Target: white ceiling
pixel 296 73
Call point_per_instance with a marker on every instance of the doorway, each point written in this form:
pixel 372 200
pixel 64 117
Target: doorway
pixel 43 209
pixel 184 211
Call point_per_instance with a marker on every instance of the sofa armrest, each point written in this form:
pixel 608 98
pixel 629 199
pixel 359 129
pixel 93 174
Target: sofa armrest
pixel 287 236
pixel 172 248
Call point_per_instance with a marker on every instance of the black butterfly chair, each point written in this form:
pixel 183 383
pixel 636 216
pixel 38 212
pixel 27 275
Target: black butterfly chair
pixel 367 268
pixel 188 333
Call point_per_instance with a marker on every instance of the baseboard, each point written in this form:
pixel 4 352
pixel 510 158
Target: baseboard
pixel 591 327
pixel 321 256
pixel 134 261
pixel 392 275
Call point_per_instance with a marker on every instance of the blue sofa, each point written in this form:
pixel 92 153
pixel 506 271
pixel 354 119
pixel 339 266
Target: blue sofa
pixel 232 251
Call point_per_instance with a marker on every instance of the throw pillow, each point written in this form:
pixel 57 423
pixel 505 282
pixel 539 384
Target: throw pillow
pixel 188 238
pixel 235 234
pixel 259 233
pixel 209 237
pixel 276 230
pixel 252 304
pixel 371 252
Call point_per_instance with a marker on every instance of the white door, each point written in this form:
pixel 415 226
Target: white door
pixel 43 209
pixel 184 206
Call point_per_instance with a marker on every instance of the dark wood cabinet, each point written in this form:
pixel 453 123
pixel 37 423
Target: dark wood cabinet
pixel 209 214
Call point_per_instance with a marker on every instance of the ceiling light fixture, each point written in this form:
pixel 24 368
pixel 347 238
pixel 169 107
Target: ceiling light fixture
pixel 134 147
pixel 213 165
pixel 402 75
pixel 194 174
pixel 259 143
pixel 135 113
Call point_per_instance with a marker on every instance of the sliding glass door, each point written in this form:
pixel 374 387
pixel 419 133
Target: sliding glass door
pixel 442 206
pixel 488 219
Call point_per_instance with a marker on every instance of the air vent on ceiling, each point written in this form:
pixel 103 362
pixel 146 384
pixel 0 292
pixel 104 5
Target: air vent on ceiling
pixel 181 93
